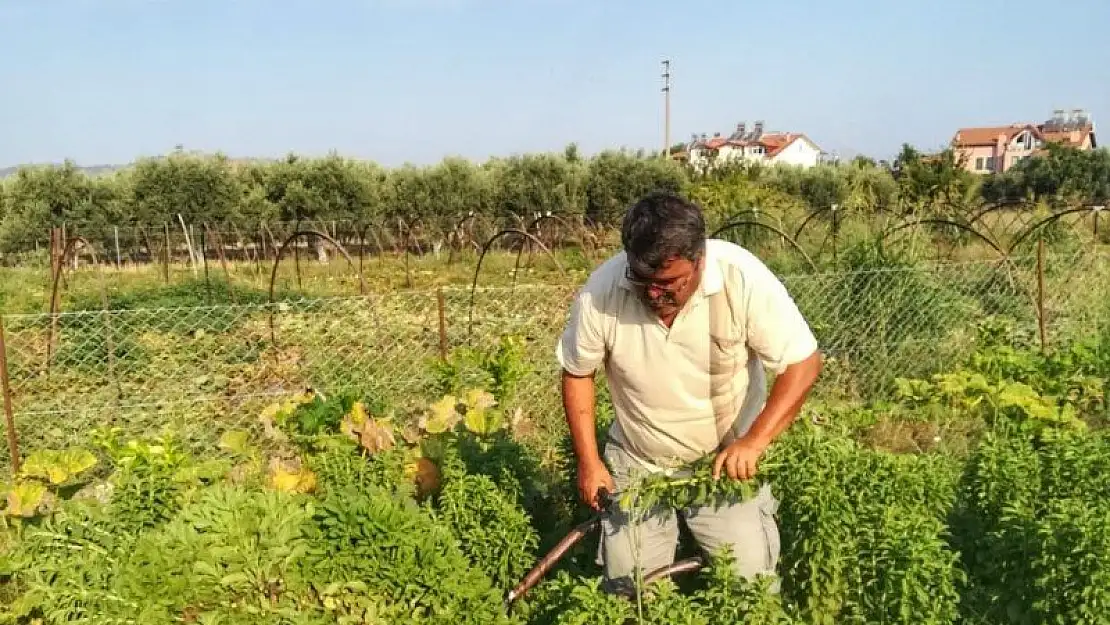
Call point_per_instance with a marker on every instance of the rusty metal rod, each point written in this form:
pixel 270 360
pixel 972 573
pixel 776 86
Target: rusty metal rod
pixel 548 561
pixel 682 566
pixel 9 416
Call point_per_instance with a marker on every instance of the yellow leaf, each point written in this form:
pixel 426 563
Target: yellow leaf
pixel 479 399
pixel 291 477
pixel 25 498
pixel 269 413
pixel 58 466
pixel 442 415
pixel 358 413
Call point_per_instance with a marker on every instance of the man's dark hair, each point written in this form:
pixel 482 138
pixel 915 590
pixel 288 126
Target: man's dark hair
pixel 661 226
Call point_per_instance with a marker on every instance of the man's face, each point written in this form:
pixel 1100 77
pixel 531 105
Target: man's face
pixel 669 288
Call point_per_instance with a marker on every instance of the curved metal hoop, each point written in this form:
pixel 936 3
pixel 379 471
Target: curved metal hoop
pixel 1048 221
pixel 281 253
pixel 809 218
pixel 992 207
pixel 786 237
pixel 482 257
pixel 527 243
pixel 946 222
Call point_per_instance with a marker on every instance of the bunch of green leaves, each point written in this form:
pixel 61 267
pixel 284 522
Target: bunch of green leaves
pixel 1000 403
pixel 564 599
pixel 692 484
pixel 720 597
pixel 402 555
pixel 62 567
pixel 229 552
pixel 863 531
pixel 499 369
pixel 151 479
pixel 494 533
pixel 1032 525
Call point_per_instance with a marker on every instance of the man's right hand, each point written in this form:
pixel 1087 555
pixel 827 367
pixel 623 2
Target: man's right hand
pixel 592 477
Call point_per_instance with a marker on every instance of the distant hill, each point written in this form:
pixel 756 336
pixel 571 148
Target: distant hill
pixel 96 170
pixel 91 170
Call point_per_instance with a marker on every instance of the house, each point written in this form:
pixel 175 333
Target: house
pixel 756 145
pixel 998 148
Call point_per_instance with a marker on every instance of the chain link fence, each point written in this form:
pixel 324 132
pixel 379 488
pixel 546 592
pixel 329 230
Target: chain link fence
pixel 198 371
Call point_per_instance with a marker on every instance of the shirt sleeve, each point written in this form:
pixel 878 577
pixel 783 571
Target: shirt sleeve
pixel 776 330
pixel 581 348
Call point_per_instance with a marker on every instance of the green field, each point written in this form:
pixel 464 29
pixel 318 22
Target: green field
pixel 392 449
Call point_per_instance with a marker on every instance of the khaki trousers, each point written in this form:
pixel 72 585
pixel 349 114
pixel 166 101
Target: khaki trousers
pixel 650 540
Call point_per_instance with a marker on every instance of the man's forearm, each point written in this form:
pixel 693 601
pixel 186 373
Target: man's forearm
pixel 785 400
pixel 578 404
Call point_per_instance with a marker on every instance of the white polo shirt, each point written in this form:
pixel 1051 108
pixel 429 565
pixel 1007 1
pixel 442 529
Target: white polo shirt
pixel 659 377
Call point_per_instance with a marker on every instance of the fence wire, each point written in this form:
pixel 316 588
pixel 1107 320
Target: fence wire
pixel 198 371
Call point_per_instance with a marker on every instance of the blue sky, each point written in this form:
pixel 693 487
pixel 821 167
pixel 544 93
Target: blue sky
pixel 415 80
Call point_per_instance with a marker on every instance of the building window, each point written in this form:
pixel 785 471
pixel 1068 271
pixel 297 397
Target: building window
pixel 979 164
pixel 990 163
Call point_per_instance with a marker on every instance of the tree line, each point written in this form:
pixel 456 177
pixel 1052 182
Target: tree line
pixel 222 192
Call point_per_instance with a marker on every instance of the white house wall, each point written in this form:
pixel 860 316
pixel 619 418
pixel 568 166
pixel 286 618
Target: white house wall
pixel 801 153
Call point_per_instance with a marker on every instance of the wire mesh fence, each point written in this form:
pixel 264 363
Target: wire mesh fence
pixel 198 371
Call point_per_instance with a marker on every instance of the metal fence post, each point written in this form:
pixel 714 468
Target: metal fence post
pixel 441 309
pixel 9 416
pixel 1041 324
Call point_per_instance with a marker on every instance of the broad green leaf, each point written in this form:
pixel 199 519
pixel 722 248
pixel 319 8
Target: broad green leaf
pixel 235 441
pixel 484 422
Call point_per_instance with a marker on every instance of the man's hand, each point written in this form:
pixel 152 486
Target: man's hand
pixel 593 476
pixel 741 457
pixel 739 460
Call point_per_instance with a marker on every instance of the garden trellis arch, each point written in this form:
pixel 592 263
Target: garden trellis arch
pixel 738 223
pixel 1051 219
pixel 482 256
pixel 281 253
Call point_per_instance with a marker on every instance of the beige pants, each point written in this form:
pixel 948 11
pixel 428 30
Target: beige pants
pixel 650 541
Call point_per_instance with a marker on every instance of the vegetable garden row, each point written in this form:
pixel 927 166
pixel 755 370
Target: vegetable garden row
pixel 335 510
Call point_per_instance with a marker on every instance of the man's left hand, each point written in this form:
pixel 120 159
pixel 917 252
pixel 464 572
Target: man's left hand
pixel 739 460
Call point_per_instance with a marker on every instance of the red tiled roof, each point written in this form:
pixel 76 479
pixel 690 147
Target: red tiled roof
pixel 777 142
pixel 773 142
pixel 987 136
pixel 971 137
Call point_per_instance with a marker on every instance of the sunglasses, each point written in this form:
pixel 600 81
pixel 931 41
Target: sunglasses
pixel 671 286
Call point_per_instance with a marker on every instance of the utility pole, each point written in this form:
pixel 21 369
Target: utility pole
pixel 667 108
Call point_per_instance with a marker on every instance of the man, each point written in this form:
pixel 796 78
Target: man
pixel 684 327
